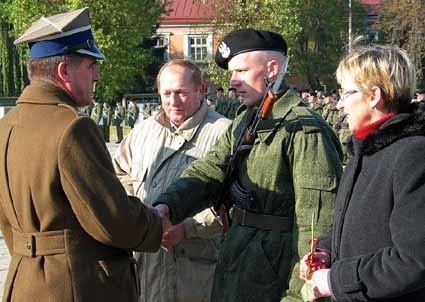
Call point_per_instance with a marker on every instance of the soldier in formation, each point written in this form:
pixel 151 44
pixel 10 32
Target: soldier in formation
pixel 132 114
pixel 119 119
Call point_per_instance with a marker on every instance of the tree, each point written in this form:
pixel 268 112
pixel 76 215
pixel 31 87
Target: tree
pixel 402 25
pixel 236 14
pixel 119 29
pixel 315 31
pixel 12 70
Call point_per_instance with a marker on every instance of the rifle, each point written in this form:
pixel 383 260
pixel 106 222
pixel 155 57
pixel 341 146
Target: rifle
pixel 246 139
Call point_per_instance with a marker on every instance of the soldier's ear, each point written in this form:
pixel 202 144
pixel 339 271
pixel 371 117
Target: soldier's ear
pixel 272 69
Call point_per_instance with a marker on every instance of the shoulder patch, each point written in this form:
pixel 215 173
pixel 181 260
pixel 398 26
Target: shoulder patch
pixel 310 120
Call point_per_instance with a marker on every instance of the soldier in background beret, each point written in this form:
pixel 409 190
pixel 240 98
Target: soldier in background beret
pixel 290 174
pixel 67 221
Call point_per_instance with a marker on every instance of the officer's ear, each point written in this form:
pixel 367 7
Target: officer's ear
pixel 272 69
pixel 62 71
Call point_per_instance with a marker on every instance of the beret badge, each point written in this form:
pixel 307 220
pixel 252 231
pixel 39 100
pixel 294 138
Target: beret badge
pixel 224 50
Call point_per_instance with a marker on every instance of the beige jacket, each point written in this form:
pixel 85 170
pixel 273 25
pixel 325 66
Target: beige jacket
pixel 149 159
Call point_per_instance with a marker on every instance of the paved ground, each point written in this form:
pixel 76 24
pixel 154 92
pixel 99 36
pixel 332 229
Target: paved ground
pixel 4 253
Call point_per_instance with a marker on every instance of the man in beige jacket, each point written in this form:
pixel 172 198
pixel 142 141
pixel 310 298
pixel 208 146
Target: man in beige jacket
pixel 151 157
pixel 67 221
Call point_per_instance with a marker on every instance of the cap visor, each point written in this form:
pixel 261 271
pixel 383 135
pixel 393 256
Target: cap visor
pixel 92 52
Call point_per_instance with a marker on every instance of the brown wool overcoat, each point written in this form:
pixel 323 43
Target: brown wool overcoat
pixel 68 223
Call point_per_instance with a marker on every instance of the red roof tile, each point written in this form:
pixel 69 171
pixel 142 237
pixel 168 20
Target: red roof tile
pixel 371 2
pixel 188 11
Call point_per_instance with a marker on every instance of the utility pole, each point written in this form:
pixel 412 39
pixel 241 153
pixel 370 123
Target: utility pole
pixel 349 25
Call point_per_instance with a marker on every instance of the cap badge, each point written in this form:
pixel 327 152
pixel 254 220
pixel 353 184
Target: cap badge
pixel 224 50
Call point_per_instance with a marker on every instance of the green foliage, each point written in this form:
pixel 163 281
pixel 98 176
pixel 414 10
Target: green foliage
pixel 402 25
pixel 315 31
pixel 261 14
pixel 119 28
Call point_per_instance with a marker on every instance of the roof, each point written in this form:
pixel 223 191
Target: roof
pixel 372 6
pixel 202 11
pixel 188 11
pixel 371 2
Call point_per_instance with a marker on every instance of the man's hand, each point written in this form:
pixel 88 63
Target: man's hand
pixel 164 213
pixel 173 236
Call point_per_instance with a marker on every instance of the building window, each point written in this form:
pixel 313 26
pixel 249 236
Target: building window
pixel 162 42
pixel 198 48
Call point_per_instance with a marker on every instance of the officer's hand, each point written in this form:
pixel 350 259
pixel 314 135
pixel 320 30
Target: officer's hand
pixel 173 236
pixel 163 212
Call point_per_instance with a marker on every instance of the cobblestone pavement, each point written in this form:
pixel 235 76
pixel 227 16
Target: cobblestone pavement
pixel 4 253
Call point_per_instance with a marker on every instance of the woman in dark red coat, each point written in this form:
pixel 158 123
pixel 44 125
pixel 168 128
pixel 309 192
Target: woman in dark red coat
pixel 377 246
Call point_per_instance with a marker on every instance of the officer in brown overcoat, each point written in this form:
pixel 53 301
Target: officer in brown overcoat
pixel 68 223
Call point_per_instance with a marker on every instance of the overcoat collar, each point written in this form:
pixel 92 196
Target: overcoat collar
pixel 189 127
pixel 400 126
pixel 42 92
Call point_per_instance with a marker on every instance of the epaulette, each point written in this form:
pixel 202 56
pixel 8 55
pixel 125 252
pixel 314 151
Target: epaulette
pixel 308 119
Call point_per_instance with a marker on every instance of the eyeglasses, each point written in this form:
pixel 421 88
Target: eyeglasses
pixel 345 94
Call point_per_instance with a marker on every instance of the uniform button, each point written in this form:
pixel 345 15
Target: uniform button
pixel 28 245
pixel 154 185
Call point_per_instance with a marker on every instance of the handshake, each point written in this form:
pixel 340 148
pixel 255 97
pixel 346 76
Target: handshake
pixel 171 234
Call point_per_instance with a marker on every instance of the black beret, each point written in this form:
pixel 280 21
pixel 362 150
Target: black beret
pixel 246 40
pixel 420 91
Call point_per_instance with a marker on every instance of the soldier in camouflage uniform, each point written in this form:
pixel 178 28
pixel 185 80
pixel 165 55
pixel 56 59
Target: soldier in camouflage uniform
pixel 220 101
pixel 344 133
pixel 132 114
pixel 232 103
pixel 119 117
pixel 107 120
pixel 330 112
pixel 290 174
pixel 96 112
pixel 314 104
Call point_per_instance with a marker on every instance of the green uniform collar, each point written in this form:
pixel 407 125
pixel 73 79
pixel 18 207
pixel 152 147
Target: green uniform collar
pixel 280 109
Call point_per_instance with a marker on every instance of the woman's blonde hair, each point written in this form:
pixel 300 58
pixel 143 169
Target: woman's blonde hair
pixel 387 67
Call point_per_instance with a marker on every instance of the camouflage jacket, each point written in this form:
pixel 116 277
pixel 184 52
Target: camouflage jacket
pixel 96 113
pixel 293 169
pixel 119 115
pixel 107 114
